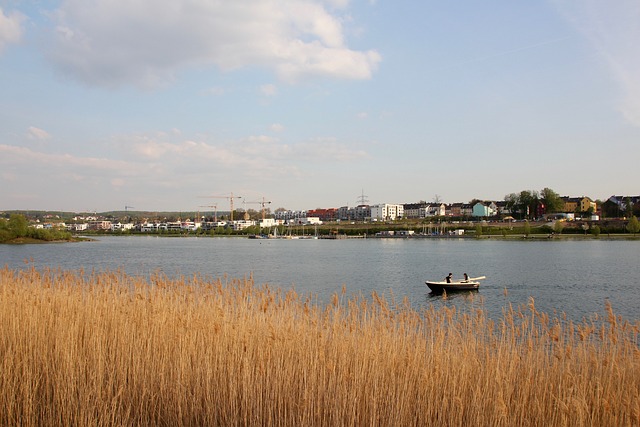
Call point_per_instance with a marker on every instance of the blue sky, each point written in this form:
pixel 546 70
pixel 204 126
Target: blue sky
pixel 309 103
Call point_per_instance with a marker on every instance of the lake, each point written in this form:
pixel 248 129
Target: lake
pixel 576 277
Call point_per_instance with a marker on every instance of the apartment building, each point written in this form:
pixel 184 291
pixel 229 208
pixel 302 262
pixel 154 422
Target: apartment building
pixel 386 211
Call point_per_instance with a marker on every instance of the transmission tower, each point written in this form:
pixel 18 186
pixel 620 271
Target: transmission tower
pixel 362 199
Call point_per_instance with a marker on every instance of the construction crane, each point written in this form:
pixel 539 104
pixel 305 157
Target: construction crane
pixel 229 198
pixel 215 211
pixel 262 204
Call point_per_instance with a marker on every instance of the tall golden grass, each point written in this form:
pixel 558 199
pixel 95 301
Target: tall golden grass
pixel 112 349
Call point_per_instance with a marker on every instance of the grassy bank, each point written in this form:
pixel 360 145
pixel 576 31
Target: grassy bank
pixel 111 349
pixel 32 241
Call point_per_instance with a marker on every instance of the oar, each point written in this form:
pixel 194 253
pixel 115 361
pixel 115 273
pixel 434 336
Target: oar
pixel 477 278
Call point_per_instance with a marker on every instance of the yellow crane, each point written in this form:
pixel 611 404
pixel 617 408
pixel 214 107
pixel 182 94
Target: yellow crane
pixel 215 211
pixel 262 205
pixel 229 198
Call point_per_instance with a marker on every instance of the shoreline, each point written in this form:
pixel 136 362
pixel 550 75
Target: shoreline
pixel 32 241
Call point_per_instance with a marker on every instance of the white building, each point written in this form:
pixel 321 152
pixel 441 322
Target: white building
pixel 242 224
pixel 191 225
pixel 423 210
pixel 310 220
pixel 213 224
pixel 118 226
pixel 267 222
pixel 82 226
pixel 437 210
pixel 288 215
pixel 148 227
pixel 171 226
pixel 386 211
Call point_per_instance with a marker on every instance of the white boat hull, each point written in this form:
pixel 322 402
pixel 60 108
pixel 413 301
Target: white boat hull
pixel 470 285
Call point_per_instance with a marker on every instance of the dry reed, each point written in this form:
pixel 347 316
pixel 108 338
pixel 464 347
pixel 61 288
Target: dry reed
pixel 111 349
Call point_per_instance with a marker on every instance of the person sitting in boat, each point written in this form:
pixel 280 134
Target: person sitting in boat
pixel 448 278
pixel 466 278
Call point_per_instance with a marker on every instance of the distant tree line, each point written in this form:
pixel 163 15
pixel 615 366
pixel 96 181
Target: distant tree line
pixel 17 227
pixel 530 204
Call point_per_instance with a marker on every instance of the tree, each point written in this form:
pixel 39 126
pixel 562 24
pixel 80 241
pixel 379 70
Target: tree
pixel 18 225
pixel 525 203
pixel 5 234
pixel 633 226
pixel 529 202
pixel 551 200
pixel 511 202
pixel 527 228
pixel 558 226
pixel 254 214
pixel 628 208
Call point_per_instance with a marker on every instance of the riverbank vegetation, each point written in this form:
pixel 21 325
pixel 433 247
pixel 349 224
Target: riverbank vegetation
pixel 619 227
pixel 112 349
pixel 17 230
pixel 419 228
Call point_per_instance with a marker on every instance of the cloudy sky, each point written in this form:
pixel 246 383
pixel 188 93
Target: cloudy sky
pixel 156 104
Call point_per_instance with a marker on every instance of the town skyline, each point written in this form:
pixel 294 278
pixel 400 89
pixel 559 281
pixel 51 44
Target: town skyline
pixel 158 104
pixel 224 208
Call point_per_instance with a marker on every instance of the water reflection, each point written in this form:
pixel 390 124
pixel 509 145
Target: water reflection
pixel 451 295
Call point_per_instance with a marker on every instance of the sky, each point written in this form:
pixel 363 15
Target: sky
pixel 171 105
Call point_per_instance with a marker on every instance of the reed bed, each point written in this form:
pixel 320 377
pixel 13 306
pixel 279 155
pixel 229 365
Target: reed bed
pixel 110 349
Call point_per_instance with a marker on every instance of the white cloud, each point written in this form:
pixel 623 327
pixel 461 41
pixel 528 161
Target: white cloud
pixel 35 133
pixel 114 42
pixel 163 167
pixel 14 155
pixel 10 28
pixel 276 127
pixel 258 155
pixel 613 29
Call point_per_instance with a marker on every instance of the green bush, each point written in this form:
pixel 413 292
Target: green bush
pixel 5 235
pixel 49 235
pixel 18 225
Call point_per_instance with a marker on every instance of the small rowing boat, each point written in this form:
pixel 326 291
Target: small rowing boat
pixel 460 285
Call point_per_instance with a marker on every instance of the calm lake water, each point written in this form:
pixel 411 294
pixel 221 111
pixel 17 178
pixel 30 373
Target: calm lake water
pixel 575 277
